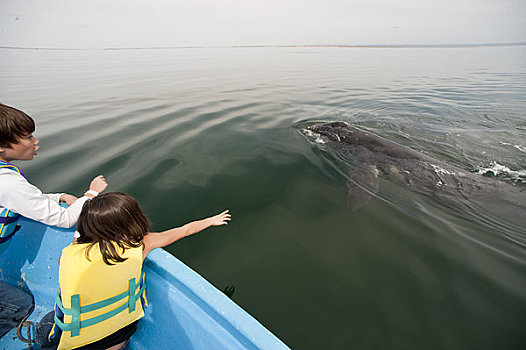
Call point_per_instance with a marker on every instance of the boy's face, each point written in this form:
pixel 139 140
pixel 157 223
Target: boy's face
pixel 25 149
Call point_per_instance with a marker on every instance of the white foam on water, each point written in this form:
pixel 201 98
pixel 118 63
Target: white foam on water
pixel 498 169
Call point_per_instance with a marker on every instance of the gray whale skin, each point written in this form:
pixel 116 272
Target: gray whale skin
pixel 374 155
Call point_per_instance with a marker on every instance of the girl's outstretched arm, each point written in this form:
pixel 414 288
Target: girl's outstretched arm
pixel 154 240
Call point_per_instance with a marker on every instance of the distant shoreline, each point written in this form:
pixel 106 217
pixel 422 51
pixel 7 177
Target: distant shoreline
pixel 369 46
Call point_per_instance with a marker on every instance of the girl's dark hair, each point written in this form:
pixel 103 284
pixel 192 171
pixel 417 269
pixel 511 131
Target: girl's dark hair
pixel 14 124
pixel 112 220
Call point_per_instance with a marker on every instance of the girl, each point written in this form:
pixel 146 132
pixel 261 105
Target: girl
pixel 100 275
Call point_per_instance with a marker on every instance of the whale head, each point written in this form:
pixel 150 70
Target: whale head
pixel 341 132
pixel 343 136
pixel 334 131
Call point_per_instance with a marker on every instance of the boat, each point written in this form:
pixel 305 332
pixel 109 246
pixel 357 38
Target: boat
pixel 184 310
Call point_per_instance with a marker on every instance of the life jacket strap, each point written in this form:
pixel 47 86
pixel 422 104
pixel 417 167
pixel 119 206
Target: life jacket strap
pixel 13 167
pixel 9 219
pixel 9 236
pixel 7 226
pixel 76 310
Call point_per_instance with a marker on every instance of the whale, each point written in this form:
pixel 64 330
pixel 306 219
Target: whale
pixel 373 156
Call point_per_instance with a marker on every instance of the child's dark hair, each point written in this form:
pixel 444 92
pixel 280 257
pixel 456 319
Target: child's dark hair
pixel 112 220
pixel 14 124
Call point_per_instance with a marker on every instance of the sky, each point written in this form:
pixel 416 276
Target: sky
pixel 88 24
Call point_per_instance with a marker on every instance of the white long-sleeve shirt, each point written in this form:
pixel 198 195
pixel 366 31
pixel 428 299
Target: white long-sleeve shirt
pixel 19 196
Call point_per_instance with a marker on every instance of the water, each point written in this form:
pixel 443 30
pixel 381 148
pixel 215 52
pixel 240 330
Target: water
pixel 190 132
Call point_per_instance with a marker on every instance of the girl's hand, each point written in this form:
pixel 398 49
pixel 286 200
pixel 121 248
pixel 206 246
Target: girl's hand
pixel 220 219
pixel 98 184
pixel 154 240
pixel 67 198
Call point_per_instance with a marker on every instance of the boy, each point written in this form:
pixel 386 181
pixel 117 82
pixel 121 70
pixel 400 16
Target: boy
pixel 20 198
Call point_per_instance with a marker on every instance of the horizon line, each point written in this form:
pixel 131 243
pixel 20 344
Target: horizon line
pixel 520 43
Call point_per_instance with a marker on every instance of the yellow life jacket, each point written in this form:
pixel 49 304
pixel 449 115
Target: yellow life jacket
pixel 95 299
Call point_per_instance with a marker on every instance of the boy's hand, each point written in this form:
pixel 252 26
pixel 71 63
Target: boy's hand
pixel 67 198
pixel 220 219
pixel 98 184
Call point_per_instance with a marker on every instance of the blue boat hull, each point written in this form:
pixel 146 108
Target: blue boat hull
pixel 185 311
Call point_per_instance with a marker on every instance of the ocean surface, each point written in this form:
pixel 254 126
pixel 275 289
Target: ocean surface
pixel 190 132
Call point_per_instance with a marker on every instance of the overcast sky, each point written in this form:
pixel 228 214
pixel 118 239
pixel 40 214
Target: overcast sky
pixel 161 23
